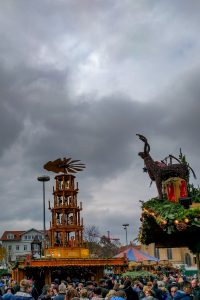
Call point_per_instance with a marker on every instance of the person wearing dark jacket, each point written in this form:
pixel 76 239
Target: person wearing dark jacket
pixel 25 291
pixel 62 289
pixel 102 285
pixel 157 291
pixel 186 294
pixel 130 293
pixel 195 289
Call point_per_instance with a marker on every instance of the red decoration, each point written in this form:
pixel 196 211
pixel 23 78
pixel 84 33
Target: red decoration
pixel 171 192
pixel 183 189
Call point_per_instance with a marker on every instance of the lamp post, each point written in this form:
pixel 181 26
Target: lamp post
pixel 125 228
pixel 43 179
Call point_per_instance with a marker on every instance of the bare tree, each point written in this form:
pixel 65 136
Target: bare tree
pixel 92 236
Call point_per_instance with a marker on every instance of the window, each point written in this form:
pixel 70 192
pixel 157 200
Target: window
pixel 9 248
pixel 156 253
pixel 17 247
pixel 188 260
pixel 25 247
pixel 29 237
pixel 10 236
pixel 169 253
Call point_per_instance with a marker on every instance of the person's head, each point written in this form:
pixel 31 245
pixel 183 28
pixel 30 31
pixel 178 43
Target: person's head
pixel 56 280
pixel 9 290
pixel 49 291
pixel 97 291
pixel 121 294
pixel 25 286
pixel 55 290
pixel 71 293
pixel 80 285
pixel 147 292
pixel 187 288
pixel 53 285
pixel 83 293
pixel 194 283
pixel 62 289
pixel 89 285
pixel 102 282
pixel 150 284
pixel 45 289
pixel 110 294
pixel 173 290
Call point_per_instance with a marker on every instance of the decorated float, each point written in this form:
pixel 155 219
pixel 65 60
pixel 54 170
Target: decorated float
pixel 172 219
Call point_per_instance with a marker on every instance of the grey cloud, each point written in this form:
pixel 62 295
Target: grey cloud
pixel 57 101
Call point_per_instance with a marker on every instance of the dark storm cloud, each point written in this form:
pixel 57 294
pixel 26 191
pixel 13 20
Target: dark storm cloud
pixel 80 79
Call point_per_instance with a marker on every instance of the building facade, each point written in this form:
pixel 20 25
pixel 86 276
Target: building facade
pixel 175 256
pixel 18 243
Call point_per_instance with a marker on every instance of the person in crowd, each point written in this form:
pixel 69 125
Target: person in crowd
pixel 45 291
pixel 62 289
pixel 121 295
pixel 2 287
pixel 34 291
pixel 15 286
pixel 71 293
pixel 103 286
pixel 109 284
pixel 156 290
pixel 138 287
pixel 90 285
pixel 25 290
pixel 54 292
pixel 195 289
pixel 130 293
pixel 9 294
pixel 83 293
pixel 171 291
pixel 148 293
pixel 111 294
pixel 185 294
pixel 80 286
pixel 97 293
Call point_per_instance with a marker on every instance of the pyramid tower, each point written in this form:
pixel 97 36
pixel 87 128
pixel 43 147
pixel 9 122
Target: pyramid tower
pixel 66 226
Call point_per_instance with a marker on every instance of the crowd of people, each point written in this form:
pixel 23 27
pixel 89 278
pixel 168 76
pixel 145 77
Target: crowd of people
pixel 107 288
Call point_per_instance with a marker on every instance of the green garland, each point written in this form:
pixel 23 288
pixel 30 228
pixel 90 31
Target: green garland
pixel 165 219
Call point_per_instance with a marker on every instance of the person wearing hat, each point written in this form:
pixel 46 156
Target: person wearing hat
pixel 25 291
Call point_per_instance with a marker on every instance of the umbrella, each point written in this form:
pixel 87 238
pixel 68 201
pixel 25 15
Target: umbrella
pixel 136 255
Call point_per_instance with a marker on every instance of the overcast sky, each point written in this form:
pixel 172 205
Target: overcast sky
pixel 79 79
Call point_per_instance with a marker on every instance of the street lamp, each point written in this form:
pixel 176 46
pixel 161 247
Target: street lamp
pixel 125 228
pixel 43 179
